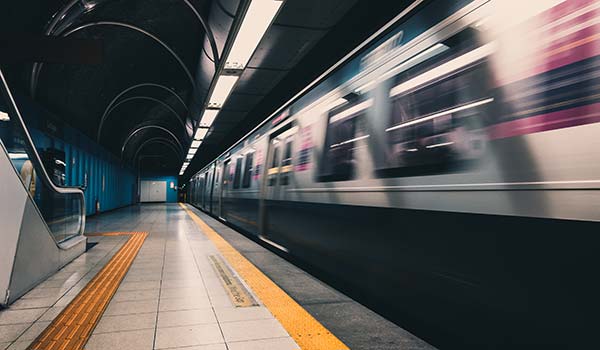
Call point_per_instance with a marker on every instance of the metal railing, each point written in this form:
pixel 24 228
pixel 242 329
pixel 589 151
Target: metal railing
pixel 63 208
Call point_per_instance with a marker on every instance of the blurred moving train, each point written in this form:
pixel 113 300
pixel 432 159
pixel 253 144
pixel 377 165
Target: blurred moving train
pixel 445 173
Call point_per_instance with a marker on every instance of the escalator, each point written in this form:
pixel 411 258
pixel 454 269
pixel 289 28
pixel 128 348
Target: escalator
pixel 41 221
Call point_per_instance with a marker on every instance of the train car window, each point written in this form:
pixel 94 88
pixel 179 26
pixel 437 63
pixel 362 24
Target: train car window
pixel 237 174
pixel 248 170
pixel 438 109
pixel 274 168
pixel 286 163
pixel 226 175
pixel 345 129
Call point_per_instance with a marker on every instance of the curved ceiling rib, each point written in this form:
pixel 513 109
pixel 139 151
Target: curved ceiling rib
pixel 209 34
pixel 114 100
pixel 37 67
pixel 62 14
pixel 131 134
pixel 136 98
pixel 161 140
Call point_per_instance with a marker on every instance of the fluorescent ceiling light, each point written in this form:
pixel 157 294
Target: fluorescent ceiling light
pixel 351 111
pixel 189 157
pixel 259 16
pixel 222 90
pixel 195 144
pixel 18 155
pixel 200 133
pixel 4 117
pixel 446 68
pixel 441 114
pixel 208 117
pixel 192 151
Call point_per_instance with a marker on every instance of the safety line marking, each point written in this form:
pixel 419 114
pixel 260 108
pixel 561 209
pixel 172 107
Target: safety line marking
pixel 308 333
pixel 71 329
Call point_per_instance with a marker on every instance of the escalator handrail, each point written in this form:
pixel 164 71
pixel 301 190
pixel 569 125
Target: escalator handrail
pixel 37 160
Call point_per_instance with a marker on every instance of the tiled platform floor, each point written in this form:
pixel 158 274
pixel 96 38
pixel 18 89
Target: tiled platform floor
pixel 171 298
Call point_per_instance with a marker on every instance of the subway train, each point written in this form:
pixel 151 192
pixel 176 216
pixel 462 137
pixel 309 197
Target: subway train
pixel 446 173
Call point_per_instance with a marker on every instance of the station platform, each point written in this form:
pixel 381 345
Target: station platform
pixel 191 283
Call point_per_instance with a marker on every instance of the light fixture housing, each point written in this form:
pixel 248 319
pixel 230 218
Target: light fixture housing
pixel 223 87
pixel 208 117
pixel 258 18
pixel 200 133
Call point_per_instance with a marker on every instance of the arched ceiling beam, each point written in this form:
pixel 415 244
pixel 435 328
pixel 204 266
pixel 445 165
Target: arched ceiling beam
pixel 63 14
pixel 137 98
pixel 161 140
pixel 158 127
pixel 137 86
pixel 37 67
pixel 209 34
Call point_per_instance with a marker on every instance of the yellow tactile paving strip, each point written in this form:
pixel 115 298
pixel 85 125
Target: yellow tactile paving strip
pixel 71 329
pixel 308 333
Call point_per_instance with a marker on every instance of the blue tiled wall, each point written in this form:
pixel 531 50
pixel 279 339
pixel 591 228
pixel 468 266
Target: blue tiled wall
pixel 110 183
pixel 171 192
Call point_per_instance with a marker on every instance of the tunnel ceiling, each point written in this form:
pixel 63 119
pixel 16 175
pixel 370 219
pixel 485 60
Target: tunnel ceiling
pixel 142 94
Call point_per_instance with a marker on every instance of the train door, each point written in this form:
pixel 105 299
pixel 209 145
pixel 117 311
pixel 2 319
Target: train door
pixel 210 187
pixel 279 165
pixel 277 174
pixel 224 187
pixel 216 192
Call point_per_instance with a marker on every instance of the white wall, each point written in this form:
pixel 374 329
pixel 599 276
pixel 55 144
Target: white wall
pixel 153 191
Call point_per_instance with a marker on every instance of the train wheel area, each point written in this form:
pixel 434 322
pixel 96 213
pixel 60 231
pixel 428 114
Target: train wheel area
pixel 167 276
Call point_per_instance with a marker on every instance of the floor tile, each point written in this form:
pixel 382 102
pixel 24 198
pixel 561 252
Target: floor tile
pixel 183 292
pixel 131 307
pixel 11 332
pixel 184 304
pixel 251 330
pixel 51 292
pixel 222 300
pixel 188 336
pixel 286 343
pixel 33 303
pixel 186 317
pixel 234 314
pixel 136 295
pixel 20 316
pixel 122 323
pixel 133 340
pixel 51 313
pixel 182 283
pixel 142 285
pixel 33 331
pixel 19 345
pixel 203 347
